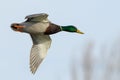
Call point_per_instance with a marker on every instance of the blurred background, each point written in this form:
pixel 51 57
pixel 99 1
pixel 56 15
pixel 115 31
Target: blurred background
pixel 92 56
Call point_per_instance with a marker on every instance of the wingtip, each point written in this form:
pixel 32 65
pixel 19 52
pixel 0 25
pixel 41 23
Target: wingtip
pixel 33 72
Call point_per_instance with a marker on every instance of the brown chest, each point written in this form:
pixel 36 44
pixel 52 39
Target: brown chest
pixel 52 29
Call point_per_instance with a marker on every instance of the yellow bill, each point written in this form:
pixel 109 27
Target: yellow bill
pixel 78 31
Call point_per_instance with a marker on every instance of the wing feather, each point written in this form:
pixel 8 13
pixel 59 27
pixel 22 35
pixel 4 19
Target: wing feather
pixel 41 44
pixel 42 17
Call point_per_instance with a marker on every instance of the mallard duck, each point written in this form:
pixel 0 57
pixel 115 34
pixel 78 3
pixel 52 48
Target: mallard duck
pixel 39 28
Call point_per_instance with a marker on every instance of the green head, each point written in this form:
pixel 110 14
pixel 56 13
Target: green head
pixel 71 28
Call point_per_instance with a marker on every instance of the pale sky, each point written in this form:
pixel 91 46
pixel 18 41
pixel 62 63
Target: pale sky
pixel 98 19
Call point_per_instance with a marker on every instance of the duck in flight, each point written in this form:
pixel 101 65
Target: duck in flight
pixel 39 28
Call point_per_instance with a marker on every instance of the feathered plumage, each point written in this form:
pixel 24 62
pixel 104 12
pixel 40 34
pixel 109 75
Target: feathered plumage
pixel 39 28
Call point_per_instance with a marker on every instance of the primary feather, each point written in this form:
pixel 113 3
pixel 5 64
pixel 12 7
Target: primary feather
pixel 41 44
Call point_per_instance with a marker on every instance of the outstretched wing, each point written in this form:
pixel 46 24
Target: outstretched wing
pixel 41 44
pixel 42 17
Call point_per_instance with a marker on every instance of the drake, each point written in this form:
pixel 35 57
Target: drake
pixel 39 28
